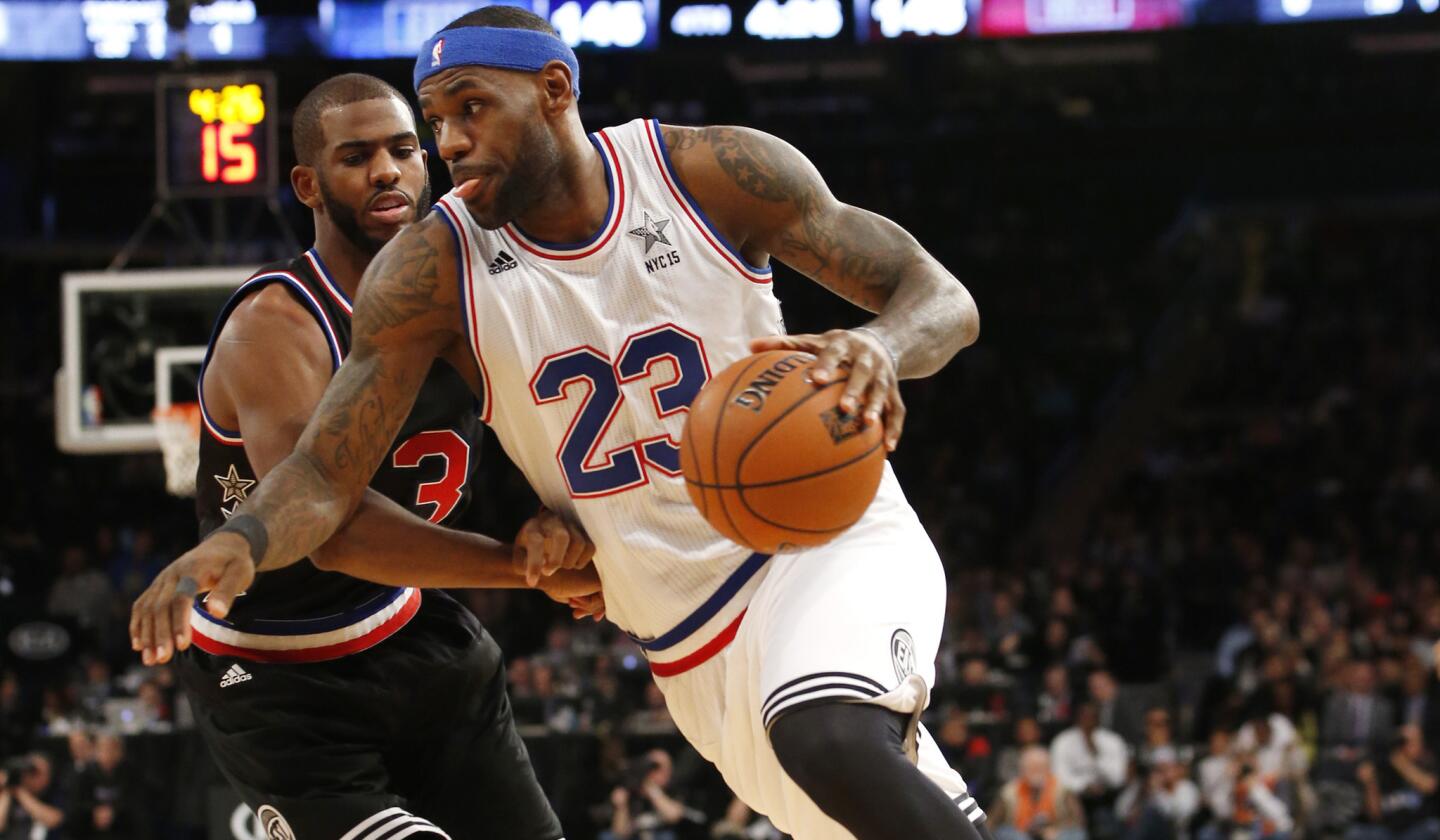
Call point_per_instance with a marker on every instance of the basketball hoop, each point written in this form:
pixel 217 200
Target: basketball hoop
pixel 177 427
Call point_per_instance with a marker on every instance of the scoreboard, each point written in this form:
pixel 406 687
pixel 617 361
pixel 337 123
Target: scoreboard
pixel 153 30
pixel 217 135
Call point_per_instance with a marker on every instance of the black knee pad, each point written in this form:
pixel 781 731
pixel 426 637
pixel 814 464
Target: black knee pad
pixel 837 745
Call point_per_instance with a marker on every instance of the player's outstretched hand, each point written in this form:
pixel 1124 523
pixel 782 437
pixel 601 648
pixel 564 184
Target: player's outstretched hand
pixel 160 617
pixel 547 543
pixel 874 384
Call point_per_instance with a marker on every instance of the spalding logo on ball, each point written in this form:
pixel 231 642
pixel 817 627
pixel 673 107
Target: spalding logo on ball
pixel 771 461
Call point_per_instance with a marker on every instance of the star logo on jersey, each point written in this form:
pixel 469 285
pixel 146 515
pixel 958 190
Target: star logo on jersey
pixel 234 486
pixel 652 231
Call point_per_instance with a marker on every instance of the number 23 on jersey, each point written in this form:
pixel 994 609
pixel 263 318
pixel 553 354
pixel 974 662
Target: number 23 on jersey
pixel 624 467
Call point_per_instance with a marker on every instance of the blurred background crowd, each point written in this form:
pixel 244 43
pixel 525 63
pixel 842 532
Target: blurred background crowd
pixel 1185 486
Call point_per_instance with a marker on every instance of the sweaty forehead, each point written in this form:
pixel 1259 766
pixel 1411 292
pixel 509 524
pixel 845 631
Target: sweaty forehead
pixel 369 120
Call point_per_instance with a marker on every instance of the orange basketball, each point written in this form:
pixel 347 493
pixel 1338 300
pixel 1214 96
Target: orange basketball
pixel 769 459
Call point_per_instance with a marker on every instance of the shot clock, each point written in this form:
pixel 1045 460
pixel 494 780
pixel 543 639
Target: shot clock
pixel 217 135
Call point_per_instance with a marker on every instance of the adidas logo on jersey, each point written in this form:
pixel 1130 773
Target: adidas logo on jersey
pixel 234 675
pixel 504 262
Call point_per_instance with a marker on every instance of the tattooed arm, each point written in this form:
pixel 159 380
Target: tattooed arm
pixel 769 200
pixel 406 314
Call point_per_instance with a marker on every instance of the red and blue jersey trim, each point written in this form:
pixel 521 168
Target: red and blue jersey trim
pixel 614 212
pixel 232 437
pixel 696 214
pixel 307 640
pixel 323 272
pixel 687 628
pixel 467 310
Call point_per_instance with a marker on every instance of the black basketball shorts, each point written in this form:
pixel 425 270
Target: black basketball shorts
pixel 411 738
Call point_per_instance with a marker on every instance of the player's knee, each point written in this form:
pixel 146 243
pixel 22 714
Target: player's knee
pixel 833 748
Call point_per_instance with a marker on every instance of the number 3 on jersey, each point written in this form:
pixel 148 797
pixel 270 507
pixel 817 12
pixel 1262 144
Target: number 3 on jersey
pixel 622 468
pixel 446 491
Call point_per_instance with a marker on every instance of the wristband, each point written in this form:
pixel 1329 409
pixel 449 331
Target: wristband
pixel 253 530
pixel 894 359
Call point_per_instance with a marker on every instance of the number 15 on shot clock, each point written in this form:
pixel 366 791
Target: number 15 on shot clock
pixel 217 135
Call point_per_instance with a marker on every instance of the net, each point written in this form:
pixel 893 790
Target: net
pixel 177 427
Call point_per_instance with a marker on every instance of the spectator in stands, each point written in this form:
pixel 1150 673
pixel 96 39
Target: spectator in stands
pixel 1055 707
pixel 1399 793
pixel 134 565
pixel 1027 734
pixel 559 711
pixel 1413 706
pixel 81 593
pixel 1160 735
pixel 644 809
pixel 982 693
pixel 96 689
pixel 1009 633
pixel 1160 804
pixel 81 754
pixel 1091 763
pixel 27 804
pixel 15 723
pixel 1357 722
pixel 1254 807
pixel 1035 806
pixel 1116 710
pixel 1218 773
pixel 1271 739
pixel 653 718
pixel 970 753
pixel 740 823
pixel 109 800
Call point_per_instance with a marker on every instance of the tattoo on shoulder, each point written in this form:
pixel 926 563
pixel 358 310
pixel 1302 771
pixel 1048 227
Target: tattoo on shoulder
pixel 403 282
pixel 744 156
pixel 854 253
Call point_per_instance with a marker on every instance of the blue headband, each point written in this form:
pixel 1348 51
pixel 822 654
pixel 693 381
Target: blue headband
pixel 488 46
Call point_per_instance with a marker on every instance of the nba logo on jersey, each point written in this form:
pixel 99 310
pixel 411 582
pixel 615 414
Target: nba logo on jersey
pixel 435 53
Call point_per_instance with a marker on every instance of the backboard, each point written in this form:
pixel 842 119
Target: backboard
pixel 132 341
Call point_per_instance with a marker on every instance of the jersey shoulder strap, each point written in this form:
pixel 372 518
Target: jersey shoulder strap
pixel 308 281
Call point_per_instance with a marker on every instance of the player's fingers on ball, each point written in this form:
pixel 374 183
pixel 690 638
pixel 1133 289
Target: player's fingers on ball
pixel 770 342
pixel 862 374
pixel 828 360
pixel 894 420
pixel 876 402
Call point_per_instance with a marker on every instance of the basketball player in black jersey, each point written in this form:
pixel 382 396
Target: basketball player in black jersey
pixel 338 699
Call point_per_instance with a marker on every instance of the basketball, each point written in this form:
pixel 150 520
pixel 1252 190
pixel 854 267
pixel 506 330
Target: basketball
pixel 770 460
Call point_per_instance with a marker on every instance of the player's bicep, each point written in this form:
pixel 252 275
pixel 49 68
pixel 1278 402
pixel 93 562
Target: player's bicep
pixel 405 315
pixel 780 205
pixel 272 362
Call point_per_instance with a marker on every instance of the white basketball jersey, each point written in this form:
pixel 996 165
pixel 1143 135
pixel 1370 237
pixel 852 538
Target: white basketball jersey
pixel 590 353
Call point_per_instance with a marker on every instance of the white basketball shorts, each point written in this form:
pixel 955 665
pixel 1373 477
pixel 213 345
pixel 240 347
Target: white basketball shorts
pixel 856 620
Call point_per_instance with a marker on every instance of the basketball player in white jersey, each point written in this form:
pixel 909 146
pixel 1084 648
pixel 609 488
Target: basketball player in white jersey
pixel 586 286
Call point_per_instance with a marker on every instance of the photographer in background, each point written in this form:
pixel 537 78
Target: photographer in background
pixel 1399 793
pixel 109 801
pixel 643 808
pixel 24 812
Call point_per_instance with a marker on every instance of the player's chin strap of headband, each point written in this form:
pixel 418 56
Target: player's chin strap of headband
pixel 488 46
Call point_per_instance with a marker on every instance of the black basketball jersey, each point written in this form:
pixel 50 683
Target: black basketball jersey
pixel 427 471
